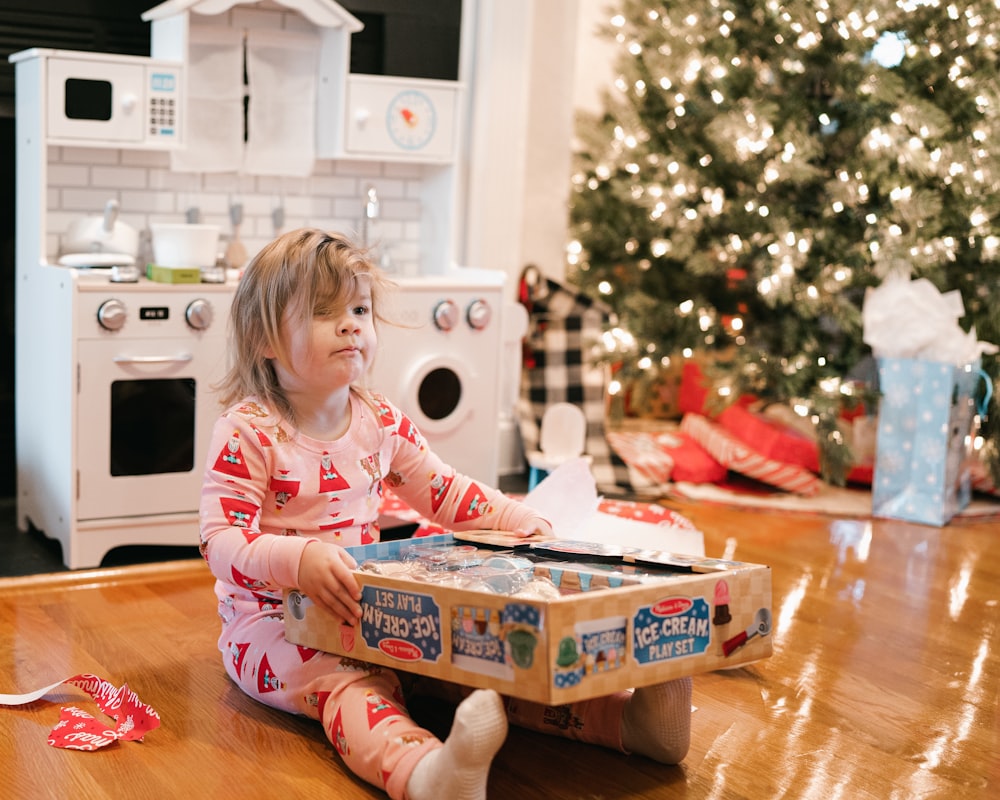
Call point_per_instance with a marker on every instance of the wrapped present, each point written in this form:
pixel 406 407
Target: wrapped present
pixel 692 397
pixel 771 438
pixel 655 394
pixel 663 456
pixel 778 433
pixel 740 457
pixel 981 479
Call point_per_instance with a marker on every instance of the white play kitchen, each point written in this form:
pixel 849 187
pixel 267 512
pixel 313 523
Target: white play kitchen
pixel 142 186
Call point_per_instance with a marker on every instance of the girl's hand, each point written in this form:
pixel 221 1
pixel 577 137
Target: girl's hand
pixel 522 520
pixel 325 576
pixel 534 527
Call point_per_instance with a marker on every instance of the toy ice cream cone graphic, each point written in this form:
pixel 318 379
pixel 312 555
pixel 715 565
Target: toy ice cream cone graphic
pixel 722 615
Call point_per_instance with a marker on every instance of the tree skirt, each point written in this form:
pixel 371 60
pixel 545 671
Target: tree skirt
pixel 834 500
pixel 671 462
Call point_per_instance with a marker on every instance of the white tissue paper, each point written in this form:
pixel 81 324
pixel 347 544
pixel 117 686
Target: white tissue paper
pixel 568 498
pixel 906 318
pixel 213 136
pixel 282 74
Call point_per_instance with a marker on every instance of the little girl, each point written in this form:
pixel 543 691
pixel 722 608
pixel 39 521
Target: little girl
pixel 295 474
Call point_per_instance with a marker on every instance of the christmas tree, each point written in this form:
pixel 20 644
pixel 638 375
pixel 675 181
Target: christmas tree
pixel 759 164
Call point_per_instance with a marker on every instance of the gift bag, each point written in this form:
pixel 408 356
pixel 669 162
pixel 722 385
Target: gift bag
pixel 927 422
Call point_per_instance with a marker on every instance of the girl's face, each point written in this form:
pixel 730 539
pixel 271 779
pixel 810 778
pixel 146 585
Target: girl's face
pixel 331 350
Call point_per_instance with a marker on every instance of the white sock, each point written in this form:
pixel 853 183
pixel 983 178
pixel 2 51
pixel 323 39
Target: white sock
pixel 657 721
pixel 459 769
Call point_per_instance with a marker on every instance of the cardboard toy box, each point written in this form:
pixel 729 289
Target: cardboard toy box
pixel 624 617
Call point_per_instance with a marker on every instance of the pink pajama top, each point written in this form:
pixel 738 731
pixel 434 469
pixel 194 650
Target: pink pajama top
pixel 269 490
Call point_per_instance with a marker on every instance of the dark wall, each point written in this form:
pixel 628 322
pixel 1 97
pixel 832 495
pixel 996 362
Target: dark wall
pixel 414 38
pixel 101 26
pixel 6 307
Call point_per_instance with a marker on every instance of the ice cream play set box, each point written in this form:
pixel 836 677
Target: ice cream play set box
pixel 551 621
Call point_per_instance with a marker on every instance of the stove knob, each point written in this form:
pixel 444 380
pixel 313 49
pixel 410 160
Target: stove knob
pixel 199 314
pixel 479 314
pixel 111 315
pixel 446 315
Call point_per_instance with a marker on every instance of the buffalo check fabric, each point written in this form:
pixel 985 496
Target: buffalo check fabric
pixel 563 331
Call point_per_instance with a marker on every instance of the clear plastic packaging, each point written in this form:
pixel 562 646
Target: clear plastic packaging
pixel 466 567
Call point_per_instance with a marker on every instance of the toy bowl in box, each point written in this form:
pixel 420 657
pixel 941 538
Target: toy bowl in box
pixel 615 618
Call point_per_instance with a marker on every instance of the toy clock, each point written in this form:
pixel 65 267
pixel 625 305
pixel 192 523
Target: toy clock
pixel 404 118
pixel 411 119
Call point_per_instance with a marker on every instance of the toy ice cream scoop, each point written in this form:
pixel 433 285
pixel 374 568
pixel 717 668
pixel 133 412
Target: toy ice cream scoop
pixel 761 626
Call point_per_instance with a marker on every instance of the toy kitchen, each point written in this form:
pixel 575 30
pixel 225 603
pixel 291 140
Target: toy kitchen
pixel 142 186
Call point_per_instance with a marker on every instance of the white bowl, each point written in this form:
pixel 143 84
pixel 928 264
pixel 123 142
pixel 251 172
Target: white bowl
pixel 184 244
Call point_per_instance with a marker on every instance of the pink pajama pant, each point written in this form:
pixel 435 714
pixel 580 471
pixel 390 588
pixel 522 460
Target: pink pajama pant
pixel 361 705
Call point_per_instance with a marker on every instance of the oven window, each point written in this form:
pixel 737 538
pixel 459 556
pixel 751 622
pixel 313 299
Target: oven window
pixel 439 393
pixel 88 99
pixel 152 426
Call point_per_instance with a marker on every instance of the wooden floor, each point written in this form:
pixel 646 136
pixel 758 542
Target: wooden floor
pixel 884 683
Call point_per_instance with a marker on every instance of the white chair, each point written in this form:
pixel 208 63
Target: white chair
pixel 562 437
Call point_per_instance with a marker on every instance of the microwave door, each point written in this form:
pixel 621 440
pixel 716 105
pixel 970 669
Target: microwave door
pixel 91 101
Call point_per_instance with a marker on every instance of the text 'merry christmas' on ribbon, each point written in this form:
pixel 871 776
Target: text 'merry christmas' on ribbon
pixel 78 730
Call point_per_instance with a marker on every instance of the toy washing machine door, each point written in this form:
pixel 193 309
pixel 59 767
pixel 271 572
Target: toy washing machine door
pixel 436 395
pixel 446 379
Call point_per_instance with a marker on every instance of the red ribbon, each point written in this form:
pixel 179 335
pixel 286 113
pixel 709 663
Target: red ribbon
pixel 78 730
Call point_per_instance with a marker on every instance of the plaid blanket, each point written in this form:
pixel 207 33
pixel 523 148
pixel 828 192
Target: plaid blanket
pixel 564 329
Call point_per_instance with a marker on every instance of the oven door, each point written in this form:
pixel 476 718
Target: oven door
pixel 144 415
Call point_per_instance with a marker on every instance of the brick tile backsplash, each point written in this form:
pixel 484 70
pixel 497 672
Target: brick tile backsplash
pixel 81 180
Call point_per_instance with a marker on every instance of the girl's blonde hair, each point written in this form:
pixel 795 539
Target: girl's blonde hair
pixel 289 278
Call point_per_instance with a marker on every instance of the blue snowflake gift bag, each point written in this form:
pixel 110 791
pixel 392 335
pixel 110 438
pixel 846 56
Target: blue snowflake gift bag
pixel 928 418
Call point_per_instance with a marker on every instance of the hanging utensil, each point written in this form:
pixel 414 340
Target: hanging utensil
pixel 236 253
pixel 372 210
